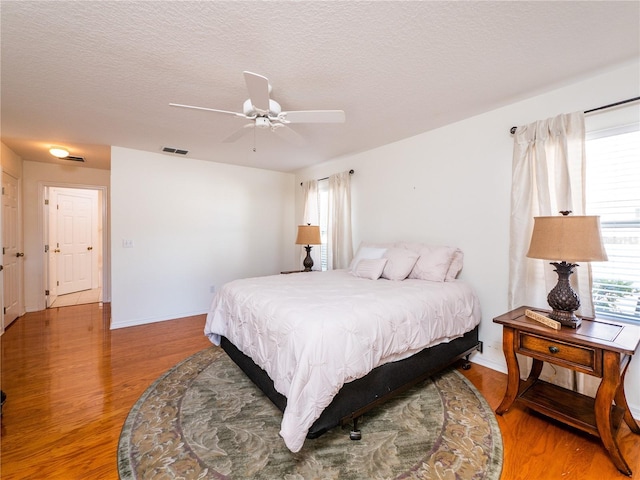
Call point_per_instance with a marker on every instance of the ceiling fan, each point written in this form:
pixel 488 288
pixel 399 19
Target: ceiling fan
pixel 265 113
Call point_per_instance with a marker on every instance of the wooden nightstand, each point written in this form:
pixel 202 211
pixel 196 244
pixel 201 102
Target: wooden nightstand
pixel 600 348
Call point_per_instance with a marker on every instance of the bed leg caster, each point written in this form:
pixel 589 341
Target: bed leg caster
pixel 355 434
pixel 466 364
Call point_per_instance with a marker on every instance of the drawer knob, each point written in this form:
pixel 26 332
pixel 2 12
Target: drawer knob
pixel 554 349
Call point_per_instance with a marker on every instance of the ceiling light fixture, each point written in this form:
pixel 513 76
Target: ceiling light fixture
pixel 59 152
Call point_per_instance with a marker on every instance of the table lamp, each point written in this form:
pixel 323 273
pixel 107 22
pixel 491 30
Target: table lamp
pixel 308 235
pixel 566 239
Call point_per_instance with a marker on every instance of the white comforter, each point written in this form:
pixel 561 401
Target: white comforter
pixel 314 332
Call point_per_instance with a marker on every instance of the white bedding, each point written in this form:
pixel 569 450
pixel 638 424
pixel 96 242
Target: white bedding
pixel 314 332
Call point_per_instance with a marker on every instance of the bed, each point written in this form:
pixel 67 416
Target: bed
pixel 327 346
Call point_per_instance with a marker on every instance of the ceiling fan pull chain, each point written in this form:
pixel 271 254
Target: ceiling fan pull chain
pixel 254 140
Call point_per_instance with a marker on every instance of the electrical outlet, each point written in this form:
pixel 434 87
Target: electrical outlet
pixel 212 289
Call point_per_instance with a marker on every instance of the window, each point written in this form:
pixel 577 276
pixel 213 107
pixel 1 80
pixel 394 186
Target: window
pixel 613 193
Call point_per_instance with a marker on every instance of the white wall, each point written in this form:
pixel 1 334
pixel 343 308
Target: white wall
pixel 35 176
pixel 452 186
pixel 194 224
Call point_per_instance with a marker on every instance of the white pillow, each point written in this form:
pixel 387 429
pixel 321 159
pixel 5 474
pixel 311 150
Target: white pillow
pixel 366 253
pixel 370 268
pixel 433 264
pixel 455 267
pixel 400 262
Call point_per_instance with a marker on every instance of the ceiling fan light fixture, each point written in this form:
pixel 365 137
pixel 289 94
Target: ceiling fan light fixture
pixel 265 113
pixel 59 152
pixel 262 122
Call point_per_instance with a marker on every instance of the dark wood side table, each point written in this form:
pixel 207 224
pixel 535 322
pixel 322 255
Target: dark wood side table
pixel 600 348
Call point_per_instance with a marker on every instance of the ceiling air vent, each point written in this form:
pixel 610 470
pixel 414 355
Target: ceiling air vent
pixel 74 159
pixel 177 151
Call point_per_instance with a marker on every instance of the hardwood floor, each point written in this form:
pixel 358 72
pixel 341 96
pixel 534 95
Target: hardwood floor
pixel 71 381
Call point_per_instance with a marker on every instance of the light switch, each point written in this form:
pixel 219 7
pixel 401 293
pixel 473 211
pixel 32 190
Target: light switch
pixel 127 243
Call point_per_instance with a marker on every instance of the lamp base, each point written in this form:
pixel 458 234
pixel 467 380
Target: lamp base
pixel 562 299
pixel 308 261
pixel 566 318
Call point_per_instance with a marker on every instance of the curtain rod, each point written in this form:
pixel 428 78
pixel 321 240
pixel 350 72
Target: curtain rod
pixel 622 102
pixel 351 172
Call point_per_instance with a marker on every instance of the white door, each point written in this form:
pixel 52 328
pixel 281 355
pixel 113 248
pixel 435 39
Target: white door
pixel 12 256
pixel 74 242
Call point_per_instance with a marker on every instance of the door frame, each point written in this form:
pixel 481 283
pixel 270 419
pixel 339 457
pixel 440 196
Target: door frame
pixel 103 192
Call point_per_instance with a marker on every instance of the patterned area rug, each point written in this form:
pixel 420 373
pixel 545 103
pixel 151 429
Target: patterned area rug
pixel 204 419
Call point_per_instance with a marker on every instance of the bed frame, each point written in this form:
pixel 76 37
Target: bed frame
pixel 382 383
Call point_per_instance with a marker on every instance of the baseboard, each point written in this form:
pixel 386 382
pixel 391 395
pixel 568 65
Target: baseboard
pixel 486 362
pixel 144 321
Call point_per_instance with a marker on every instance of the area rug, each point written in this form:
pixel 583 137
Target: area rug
pixel 204 419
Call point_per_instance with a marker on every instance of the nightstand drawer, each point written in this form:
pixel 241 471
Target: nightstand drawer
pixel 583 359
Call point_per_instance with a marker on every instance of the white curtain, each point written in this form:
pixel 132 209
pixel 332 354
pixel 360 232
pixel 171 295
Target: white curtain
pixel 548 177
pixel 311 216
pixel 340 245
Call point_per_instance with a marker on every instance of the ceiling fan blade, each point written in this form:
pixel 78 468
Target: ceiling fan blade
pixel 208 109
pixel 258 88
pixel 239 133
pixel 288 134
pixel 314 116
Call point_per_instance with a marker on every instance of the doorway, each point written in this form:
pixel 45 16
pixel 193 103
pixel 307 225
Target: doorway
pixel 73 232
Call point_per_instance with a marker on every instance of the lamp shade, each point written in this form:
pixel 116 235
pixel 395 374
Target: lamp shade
pixel 567 238
pixel 308 235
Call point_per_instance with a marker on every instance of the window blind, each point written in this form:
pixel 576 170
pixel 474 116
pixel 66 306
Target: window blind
pixel 613 193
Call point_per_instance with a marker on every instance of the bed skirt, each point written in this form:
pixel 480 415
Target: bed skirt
pixel 379 385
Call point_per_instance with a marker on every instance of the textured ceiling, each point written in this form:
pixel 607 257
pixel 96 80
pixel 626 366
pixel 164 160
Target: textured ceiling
pixel 87 75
